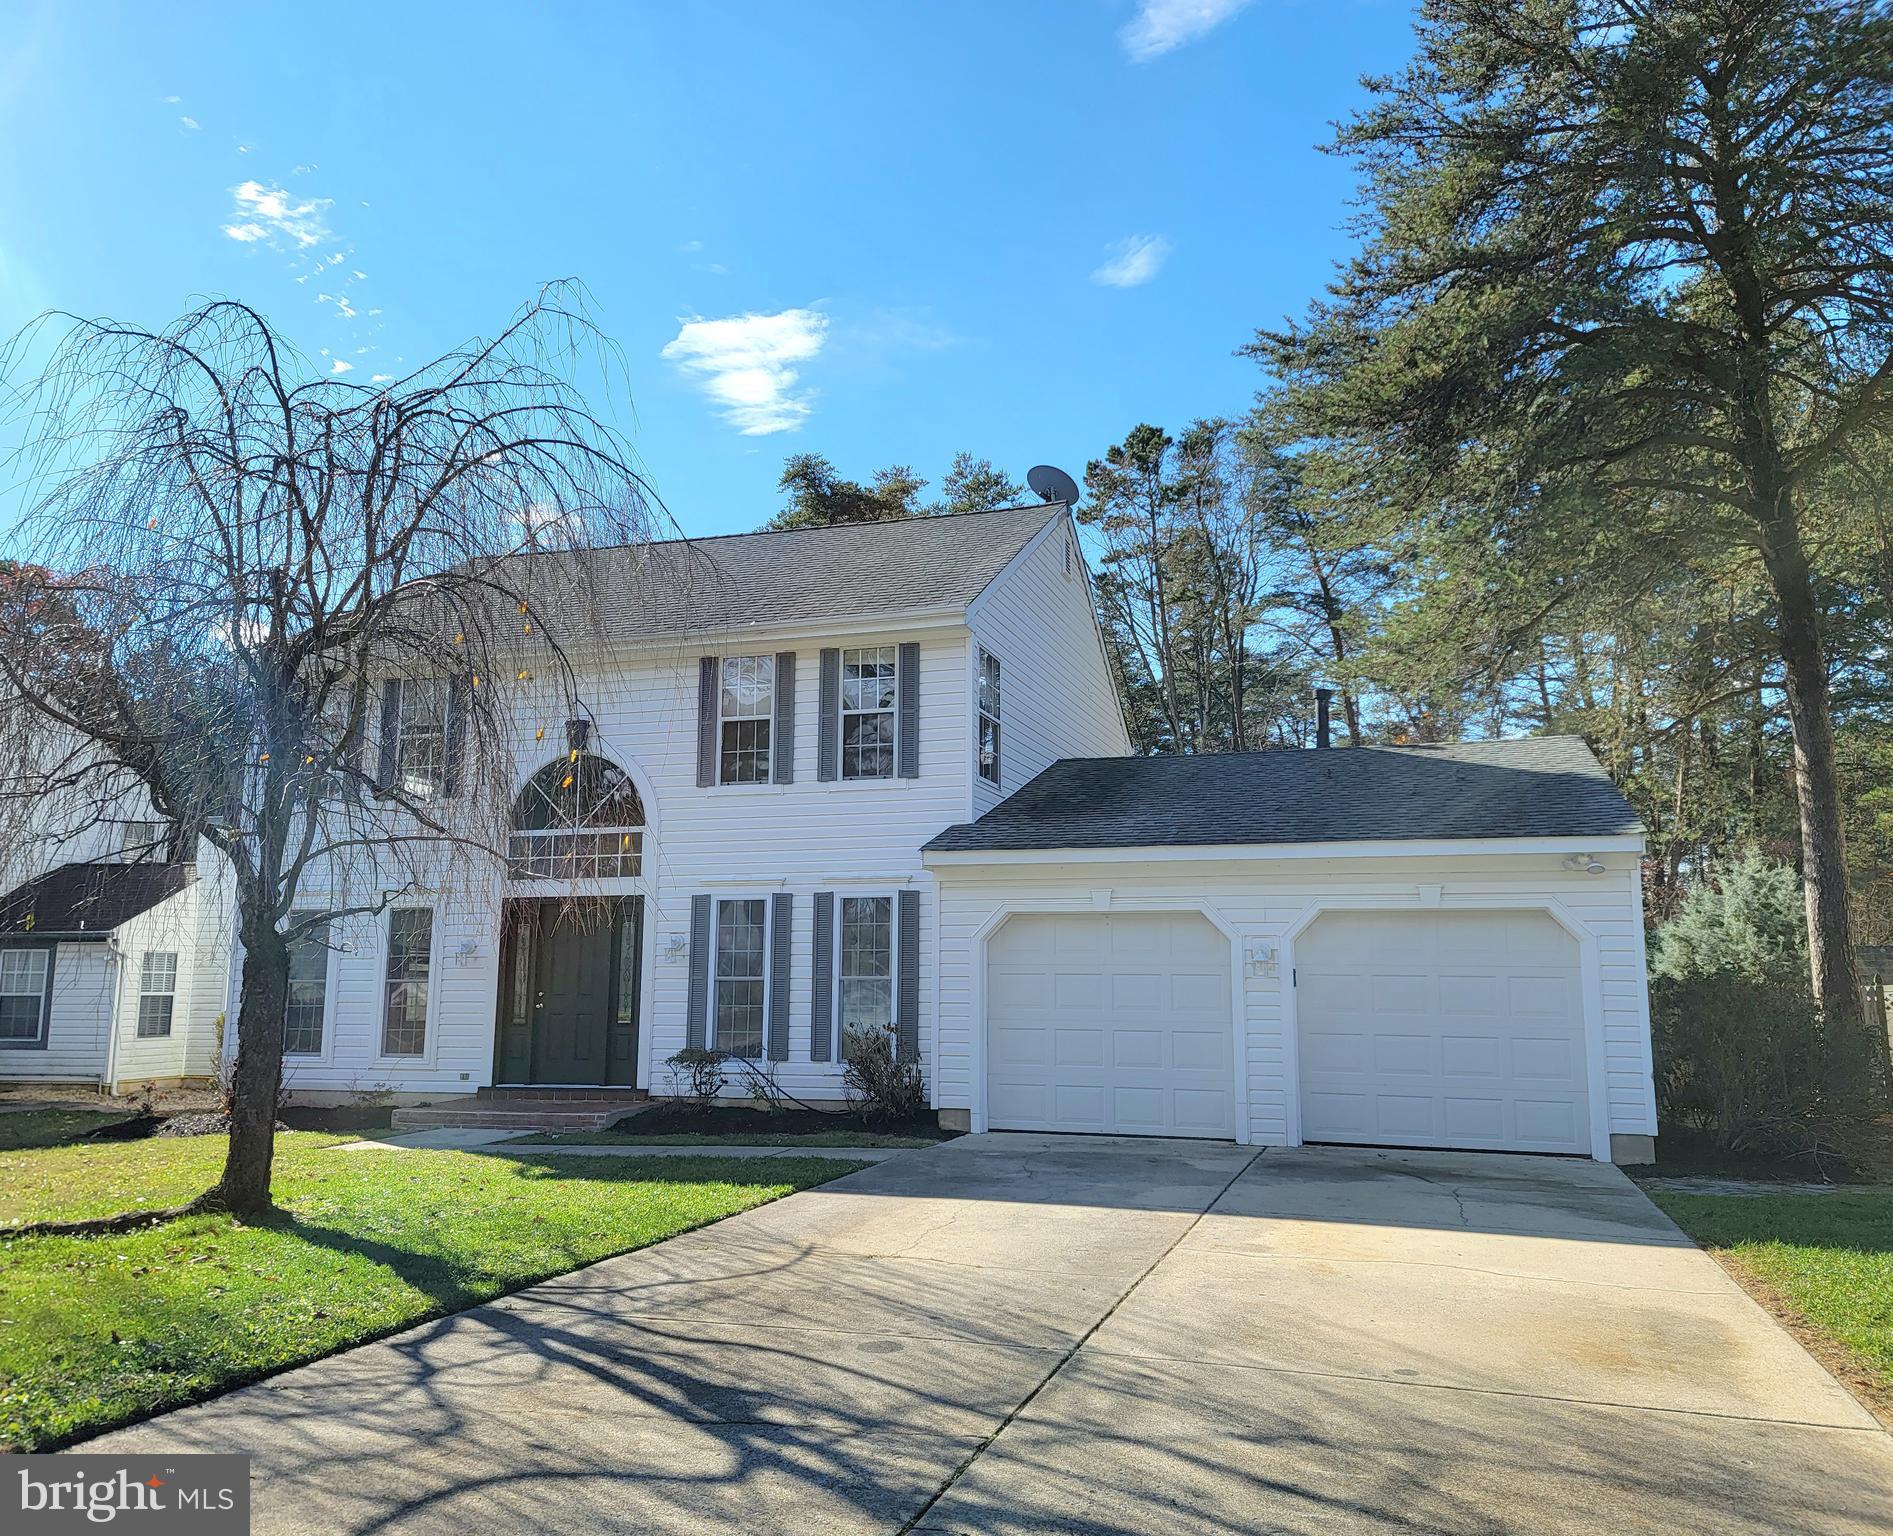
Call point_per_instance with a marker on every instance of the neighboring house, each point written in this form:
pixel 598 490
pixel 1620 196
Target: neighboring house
pixel 877 776
pixel 114 972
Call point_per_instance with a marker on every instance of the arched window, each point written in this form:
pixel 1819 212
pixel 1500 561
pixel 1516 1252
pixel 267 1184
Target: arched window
pixel 578 818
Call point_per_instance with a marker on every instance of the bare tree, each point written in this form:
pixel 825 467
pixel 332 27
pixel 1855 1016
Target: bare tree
pixel 292 609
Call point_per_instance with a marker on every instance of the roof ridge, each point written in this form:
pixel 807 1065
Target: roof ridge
pixel 917 519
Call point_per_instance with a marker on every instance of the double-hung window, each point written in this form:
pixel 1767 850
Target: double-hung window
pixel 864 965
pixel 420 754
pixel 157 993
pixel 868 694
pixel 144 840
pixel 988 716
pixel 410 963
pixel 23 977
pixel 745 707
pixel 307 1006
pixel 740 1001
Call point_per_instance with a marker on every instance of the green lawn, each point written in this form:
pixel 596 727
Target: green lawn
pixel 628 1137
pixel 97 1331
pixel 1829 1257
pixel 51 1127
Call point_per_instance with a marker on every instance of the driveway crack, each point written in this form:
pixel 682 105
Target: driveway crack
pixel 1066 1358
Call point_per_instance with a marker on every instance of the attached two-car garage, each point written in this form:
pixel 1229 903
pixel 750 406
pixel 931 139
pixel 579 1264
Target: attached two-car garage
pixel 1448 1029
pixel 1414 947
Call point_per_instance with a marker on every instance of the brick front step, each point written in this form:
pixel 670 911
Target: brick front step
pixel 562 1095
pixel 516 1115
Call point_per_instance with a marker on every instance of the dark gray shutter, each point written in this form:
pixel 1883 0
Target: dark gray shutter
pixel 699 995
pixel 782 743
pixel 456 749
pixel 390 732
pixel 907 750
pixel 781 932
pixel 828 733
pixel 822 1012
pixel 708 685
pixel 907 1004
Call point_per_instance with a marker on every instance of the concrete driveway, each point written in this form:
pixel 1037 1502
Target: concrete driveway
pixel 1039 1334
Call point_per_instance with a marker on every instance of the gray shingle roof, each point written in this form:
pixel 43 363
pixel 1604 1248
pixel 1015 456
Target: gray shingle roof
pixel 640 591
pixel 1544 786
pixel 87 901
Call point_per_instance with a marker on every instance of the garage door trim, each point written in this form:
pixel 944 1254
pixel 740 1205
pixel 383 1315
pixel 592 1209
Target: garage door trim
pixel 1590 986
pixel 1111 904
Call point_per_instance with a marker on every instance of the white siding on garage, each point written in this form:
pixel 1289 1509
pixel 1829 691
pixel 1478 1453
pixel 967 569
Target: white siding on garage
pixel 194 925
pixel 1263 899
pixel 1058 696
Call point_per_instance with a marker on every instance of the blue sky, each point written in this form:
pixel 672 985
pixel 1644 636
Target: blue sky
pixel 883 232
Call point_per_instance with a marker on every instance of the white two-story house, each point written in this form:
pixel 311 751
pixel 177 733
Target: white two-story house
pixel 877 775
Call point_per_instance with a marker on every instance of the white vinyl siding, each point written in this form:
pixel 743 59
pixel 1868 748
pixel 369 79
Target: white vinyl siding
pixel 1060 699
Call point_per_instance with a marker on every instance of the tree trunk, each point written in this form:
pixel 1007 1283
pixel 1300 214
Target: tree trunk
pixel 245 1185
pixel 1833 970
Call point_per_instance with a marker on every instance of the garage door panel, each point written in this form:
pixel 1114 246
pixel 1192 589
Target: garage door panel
pixel 1138 1005
pixel 1478 1044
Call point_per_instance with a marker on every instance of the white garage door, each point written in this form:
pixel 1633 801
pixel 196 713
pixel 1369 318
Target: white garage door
pixel 1109 1022
pixel 1442 1029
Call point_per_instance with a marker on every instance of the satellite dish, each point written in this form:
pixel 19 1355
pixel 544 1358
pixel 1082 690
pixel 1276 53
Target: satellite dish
pixel 1050 484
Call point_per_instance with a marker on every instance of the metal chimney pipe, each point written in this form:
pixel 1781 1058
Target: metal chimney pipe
pixel 1323 737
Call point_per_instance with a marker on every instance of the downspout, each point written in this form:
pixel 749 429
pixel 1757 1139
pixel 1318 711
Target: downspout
pixel 116 956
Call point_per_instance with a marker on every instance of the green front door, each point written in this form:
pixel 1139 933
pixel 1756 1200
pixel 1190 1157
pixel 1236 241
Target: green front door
pixel 569 992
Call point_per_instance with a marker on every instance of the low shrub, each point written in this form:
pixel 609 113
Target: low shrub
pixel 1756 1068
pixel 697 1076
pixel 882 1088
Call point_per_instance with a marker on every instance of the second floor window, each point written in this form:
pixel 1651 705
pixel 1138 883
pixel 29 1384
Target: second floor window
pixel 988 717
pixel 868 692
pixel 420 756
pixel 745 707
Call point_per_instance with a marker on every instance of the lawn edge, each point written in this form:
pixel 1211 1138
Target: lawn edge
pixel 1861 1380
pixel 236 1384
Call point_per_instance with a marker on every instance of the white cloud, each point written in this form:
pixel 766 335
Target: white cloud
pixel 1161 25
pixel 336 365
pixel 243 149
pixel 271 214
pixel 747 365
pixel 380 378
pixel 1133 261
pixel 172 101
pixel 190 123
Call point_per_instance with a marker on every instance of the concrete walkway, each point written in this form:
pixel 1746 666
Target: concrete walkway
pixel 1011 1334
pixel 506 1144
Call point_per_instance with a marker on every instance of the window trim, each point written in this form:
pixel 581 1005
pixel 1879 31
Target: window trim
pixel 842 712
pixel 983 717
pixel 767 717
pixel 145 957
pixel 837 1024
pixel 425 1057
pixel 44 1039
pixel 294 1058
pixel 719 900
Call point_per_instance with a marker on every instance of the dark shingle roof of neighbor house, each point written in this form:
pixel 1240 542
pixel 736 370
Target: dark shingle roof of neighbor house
pixel 643 591
pixel 87 901
pixel 1544 786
